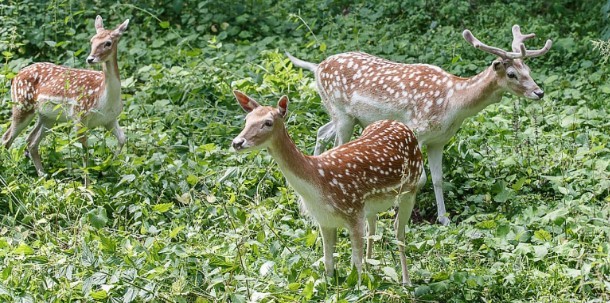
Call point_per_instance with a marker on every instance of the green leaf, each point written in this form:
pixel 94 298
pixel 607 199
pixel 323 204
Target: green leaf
pixel 98 278
pixel 185 198
pixel 502 230
pixel 4 291
pixel 540 251
pixel 23 249
pixel 98 217
pixel 192 180
pixel 422 290
pixel 127 179
pixel 163 207
pixel 130 295
pixel 237 298
pixel 352 278
pixel 308 290
pixel 519 184
pixel 174 232
pixel 294 286
pixel 108 244
pixel 201 300
pixel 502 196
pixel 373 262
pixel 391 273
pixel 551 79
pixel 557 216
pixel 542 235
pixel 459 277
pixel 266 268
pixel 99 295
pixel 7 54
pixel 310 239
pixel 3 243
pixel 487 224
pixel 439 287
pixel 164 24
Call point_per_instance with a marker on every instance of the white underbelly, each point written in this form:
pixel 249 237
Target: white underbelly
pixel 56 110
pixel 375 206
pixel 323 214
pixel 101 117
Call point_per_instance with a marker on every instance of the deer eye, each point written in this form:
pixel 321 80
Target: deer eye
pixel 268 123
pixel 512 75
pixel 108 44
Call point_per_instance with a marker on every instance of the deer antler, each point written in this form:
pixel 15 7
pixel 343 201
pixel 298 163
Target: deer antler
pixel 519 38
pixel 519 50
pixel 490 49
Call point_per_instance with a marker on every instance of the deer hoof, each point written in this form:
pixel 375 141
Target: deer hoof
pixel 444 221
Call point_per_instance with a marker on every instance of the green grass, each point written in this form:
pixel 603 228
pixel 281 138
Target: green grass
pixel 179 217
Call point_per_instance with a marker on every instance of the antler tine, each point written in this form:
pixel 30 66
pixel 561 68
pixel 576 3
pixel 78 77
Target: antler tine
pixel 540 52
pixel 490 49
pixel 519 38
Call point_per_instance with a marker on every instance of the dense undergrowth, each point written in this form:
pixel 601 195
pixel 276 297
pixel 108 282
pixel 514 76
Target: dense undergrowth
pixel 178 217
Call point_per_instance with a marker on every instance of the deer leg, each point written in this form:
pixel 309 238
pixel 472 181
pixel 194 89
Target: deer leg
pixel 407 202
pixel 82 138
pixel 435 160
pixel 326 134
pixel 372 227
pixel 19 122
pixel 423 178
pixel 33 140
pixel 357 238
pixel 329 239
pixel 344 129
pixel 118 133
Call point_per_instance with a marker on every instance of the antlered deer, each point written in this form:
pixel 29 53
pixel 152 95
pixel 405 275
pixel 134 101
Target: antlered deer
pixel 346 185
pixel 359 88
pixel 56 93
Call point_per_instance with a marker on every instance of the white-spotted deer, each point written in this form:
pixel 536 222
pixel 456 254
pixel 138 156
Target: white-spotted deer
pixel 359 88
pixel 58 94
pixel 347 185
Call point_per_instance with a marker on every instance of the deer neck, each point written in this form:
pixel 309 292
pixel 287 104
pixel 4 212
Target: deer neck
pixel 112 80
pixel 295 166
pixel 478 92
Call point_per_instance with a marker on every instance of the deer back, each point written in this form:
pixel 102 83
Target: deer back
pixel 385 160
pixel 371 88
pixel 43 82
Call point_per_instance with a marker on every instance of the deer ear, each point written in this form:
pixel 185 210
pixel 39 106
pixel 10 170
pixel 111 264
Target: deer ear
pixel 99 23
pixel 282 106
pixel 121 28
pixel 498 65
pixel 247 103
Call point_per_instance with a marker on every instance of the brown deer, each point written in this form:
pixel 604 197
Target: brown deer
pixel 357 88
pixel 346 185
pixel 57 94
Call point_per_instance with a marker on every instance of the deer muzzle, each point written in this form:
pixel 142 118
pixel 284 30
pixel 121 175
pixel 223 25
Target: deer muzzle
pixel 238 143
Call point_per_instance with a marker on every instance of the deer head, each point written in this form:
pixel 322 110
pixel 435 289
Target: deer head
pixel 104 43
pixel 261 122
pixel 513 74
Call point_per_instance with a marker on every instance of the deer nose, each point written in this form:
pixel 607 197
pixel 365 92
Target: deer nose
pixel 90 60
pixel 539 93
pixel 238 143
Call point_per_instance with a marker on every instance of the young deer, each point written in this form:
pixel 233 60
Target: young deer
pixel 359 88
pixel 346 185
pixel 58 93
